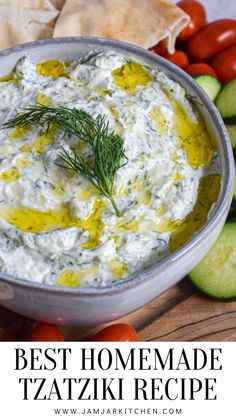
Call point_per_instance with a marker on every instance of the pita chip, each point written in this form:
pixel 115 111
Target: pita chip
pixel 30 4
pixel 25 20
pixel 140 22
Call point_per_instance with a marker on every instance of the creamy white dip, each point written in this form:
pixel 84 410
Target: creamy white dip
pixel 169 154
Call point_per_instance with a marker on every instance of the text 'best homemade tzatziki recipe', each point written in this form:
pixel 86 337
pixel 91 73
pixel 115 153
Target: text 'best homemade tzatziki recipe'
pixel 106 168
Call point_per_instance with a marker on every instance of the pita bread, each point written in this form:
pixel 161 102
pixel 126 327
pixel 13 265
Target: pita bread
pixel 140 22
pixel 29 4
pixel 20 24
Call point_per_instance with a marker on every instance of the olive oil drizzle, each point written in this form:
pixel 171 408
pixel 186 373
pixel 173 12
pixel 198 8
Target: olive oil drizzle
pixel 73 278
pixel 10 175
pixel 193 137
pixel 130 75
pixel 30 220
pixel 8 78
pixel 182 230
pixel 117 267
pixel 208 193
pixel 53 68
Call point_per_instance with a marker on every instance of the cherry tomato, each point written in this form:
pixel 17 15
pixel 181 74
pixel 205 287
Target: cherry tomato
pixel 212 39
pixel 179 58
pixel 44 332
pixel 225 64
pixel 197 13
pixel 200 68
pixel 159 48
pixel 116 333
pixel 181 46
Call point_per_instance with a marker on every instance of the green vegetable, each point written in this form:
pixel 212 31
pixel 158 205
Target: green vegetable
pixel 226 102
pixel 210 84
pixel 107 148
pixel 232 134
pixel 235 184
pixel 215 275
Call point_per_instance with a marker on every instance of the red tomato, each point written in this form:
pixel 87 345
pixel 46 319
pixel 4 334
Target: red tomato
pixel 44 332
pixel 116 333
pixel 159 48
pixel 212 39
pixel 179 58
pixel 197 13
pixel 200 68
pixel 225 64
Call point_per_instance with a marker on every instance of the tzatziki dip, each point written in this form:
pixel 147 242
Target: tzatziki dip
pixel 58 223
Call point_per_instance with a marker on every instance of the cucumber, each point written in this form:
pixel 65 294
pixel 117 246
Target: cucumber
pixel 215 275
pixel 226 102
pixel 232 134
pixel 235 185
pixel 210 84
pixel 232 211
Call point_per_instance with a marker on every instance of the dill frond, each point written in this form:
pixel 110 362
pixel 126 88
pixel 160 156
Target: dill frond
pixel 108 154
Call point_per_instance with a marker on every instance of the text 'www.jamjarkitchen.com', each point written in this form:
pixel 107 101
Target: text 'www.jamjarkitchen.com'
pixel 118 412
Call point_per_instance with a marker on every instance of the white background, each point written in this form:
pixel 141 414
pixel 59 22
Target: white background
pixel 219 8
pixel 11 403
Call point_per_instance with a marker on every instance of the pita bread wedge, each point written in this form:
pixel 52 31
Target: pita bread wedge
pixel 20 25
pixel 140 22
pixel 29 4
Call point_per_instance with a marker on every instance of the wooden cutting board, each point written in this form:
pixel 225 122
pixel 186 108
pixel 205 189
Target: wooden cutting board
pixel 180 314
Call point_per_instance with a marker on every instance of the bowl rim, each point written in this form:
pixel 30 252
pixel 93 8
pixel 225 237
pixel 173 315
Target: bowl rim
pixel 219 209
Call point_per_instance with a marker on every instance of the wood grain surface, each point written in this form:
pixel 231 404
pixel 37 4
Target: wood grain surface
pixel 180 314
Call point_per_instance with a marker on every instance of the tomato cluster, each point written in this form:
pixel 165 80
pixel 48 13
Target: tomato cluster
pixel 204 48
pixel 120 332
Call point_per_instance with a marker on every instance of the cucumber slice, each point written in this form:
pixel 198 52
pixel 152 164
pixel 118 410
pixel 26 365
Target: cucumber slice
pixel 210 84
pixel 215 275
pixel 232 134
pixel 226 102
pixel 235 185
pixel 232 211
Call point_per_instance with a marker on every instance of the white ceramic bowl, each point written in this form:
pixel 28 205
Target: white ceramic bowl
pixel 90 306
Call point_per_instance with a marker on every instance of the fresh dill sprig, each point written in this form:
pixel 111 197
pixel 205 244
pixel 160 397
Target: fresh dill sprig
pixel 72 121
pixel 108 156
pixel 107 148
